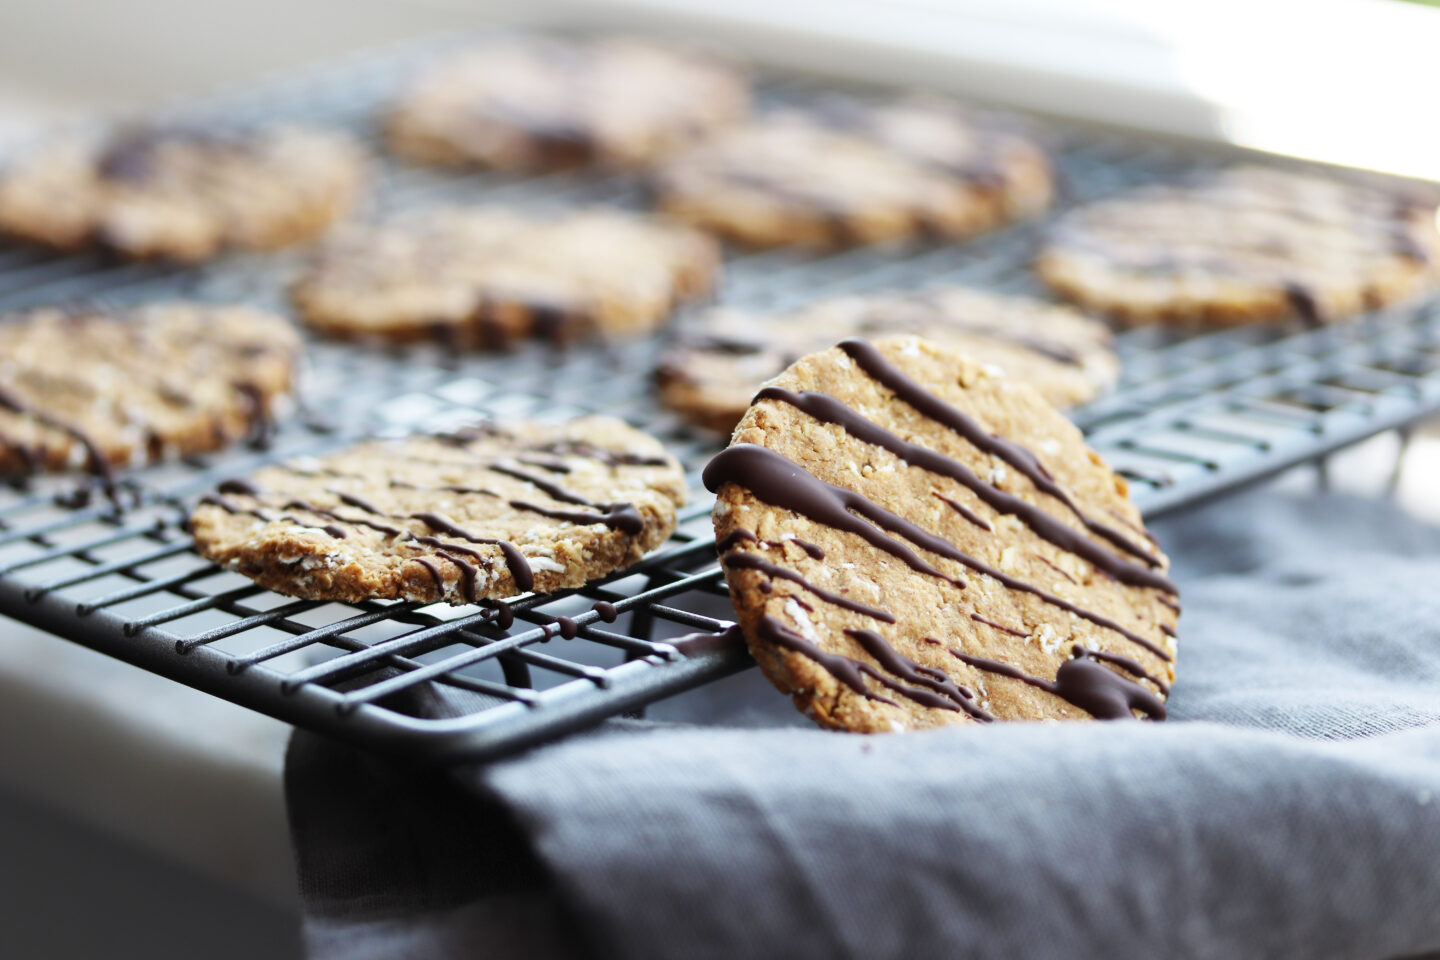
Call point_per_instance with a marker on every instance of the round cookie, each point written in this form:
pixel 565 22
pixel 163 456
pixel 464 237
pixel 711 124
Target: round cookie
pixel 540 103
pixel 481 514
pixel 850 173
pixel 716 363
pixel 1244 245
pixel 912 541
pixel 104 388
pixel 185 194
pixel 483 278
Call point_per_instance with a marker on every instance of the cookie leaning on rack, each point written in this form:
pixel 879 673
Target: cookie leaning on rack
pixel 483 513
pixel 912 541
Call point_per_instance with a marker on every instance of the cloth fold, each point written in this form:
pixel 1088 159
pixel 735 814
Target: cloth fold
pixel 1289 808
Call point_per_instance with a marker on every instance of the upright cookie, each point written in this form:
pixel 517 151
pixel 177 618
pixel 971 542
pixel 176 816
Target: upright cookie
pixel 105 388
pixel 482 514
pixel 850 173
pixel 183 193
pixel 537 103
pixel 1244 245
pixel 912 541
pixel 717 363
pixel 485 278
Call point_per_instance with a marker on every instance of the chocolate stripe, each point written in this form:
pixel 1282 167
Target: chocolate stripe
pixel 827 409
pixel 1082 682
pixel 869 359
pixel 749 561
pixel 933 688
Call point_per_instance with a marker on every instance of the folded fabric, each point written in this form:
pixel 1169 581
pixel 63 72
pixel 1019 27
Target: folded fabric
pixel 1289 808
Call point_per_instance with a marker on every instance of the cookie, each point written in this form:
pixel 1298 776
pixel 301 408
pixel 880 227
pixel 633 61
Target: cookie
pixel 483 278
pixel 539 104
pixel 717 363
pixel 106 388
pixel 1244 245
pixel 481 514
pixel 183 193
pixel 912 540
pixel 849 173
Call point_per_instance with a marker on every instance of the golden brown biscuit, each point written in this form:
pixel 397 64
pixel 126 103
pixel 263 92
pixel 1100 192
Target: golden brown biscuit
pixel 480 514
pixel 1244 245
pixel 849 173
pixel 540 103
pixel 186 194
pixel 105 388
pixel 912 541
pixel 485 277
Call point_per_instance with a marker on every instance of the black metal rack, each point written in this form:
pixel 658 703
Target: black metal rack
pixel 1195 414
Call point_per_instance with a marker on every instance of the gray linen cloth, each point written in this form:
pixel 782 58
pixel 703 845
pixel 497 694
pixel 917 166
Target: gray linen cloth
pixel 1289 808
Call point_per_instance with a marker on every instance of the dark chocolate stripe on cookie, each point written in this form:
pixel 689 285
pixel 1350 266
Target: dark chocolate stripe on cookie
pixel 96 461
pixel 892 377
pixel 618 516
pixel 1082 682
pixel 827 409
pixel 749 561
pixel 847 671
pixel 932 688
pixel 780 482
pixel 514 559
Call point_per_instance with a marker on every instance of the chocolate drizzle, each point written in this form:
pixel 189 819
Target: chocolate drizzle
pixel 998 626
pixel 965 512
pixel 515 560
pixel 265 516
pixel 783 483
pixel 95 460
pixel 869 359
pixel 933 688
pixel 618 516
pixel 435 575
pixel 827 409
pixel 749 561
pixel 847 671
pixel 1084 683
pixel 1303 302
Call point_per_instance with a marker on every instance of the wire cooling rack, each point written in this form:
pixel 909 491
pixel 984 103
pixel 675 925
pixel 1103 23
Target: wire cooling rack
pixel 1194 415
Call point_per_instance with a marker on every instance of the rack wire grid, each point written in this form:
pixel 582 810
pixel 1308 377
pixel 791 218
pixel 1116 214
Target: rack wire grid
pixel 1195 414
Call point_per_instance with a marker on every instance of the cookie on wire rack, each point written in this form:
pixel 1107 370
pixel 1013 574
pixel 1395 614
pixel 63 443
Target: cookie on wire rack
pixel 1244 245
pixel 488 277
pixel 105 387
pixel 540 103
pixel 850 172
pixel 716 363
pixel 484 513
pixel 183 193
pixel 913 541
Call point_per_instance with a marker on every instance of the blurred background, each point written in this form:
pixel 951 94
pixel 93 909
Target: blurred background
pixel 98 854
